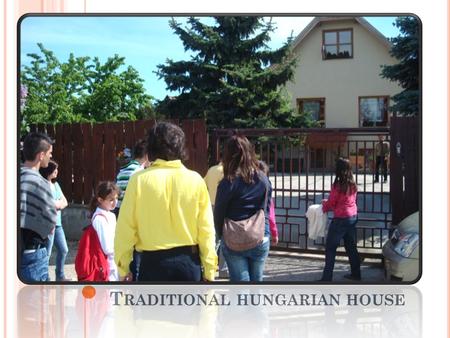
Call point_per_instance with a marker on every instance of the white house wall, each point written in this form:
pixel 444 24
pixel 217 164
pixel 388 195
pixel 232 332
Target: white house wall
pixel 341 81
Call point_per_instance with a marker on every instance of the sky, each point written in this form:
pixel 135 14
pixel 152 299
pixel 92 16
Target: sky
pixel 145 42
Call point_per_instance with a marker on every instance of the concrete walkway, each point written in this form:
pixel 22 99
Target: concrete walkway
pixel 280 267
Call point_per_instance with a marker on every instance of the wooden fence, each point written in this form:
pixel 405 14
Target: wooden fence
pixel 87 153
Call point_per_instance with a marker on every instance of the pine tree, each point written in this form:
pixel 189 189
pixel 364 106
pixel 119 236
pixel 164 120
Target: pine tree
pixel 405 48
pixel 233 79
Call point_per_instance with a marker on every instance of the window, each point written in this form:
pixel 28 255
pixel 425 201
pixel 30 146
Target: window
pixel 337 44
pixel 315 107
pixel 373 111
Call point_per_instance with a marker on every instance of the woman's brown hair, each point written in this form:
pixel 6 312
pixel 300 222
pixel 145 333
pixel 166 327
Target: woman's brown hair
pixel 344 176
pixel 239 159
pixel 45 172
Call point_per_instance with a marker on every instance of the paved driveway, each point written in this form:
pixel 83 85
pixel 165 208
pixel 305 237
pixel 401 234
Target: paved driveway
pixel 280 267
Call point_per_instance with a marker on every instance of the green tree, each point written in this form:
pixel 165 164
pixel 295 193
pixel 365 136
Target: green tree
pixel 405 48
pixel 81 90
pixel 233 79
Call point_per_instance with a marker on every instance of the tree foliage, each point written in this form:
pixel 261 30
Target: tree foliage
pixel 233 79
pixel 405 48
pixel 81 90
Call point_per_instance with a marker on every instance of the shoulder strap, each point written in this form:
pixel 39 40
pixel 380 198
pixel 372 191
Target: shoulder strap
pixel 92 221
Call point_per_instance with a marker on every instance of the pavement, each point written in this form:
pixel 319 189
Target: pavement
pixel 280 267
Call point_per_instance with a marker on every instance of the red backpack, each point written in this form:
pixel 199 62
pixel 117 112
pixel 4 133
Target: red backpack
pixel 91 263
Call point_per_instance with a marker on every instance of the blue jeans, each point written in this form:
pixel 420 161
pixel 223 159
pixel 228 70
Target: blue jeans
pixel 248 265
pixel 341 228
pixel 59 239
pixel 176 264
pixel 34 266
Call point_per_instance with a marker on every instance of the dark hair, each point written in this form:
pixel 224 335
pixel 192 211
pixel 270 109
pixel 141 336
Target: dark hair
pixel 45 172
pixel 239 159
pixel 103 190
pixel 140 149
pixel 263 167
pixel 34 143
pixel 166 141
pixel 344 177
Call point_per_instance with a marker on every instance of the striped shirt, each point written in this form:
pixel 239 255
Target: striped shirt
pixel 124 176
pixel 37 206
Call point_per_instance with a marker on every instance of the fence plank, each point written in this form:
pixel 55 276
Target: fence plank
pixel 120 135
pixel 129 134
pixel 109 153
pixel 78 168
pixel 188 128
pixel 139 130
pixel 68 162
pixel 97 152
pixel 51 131
pixel 41 128
pixel 58 147
pixel 201 147
pixel 88 163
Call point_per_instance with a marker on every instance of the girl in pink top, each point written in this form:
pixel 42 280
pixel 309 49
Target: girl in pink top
pixel 272 222
pixel 342 201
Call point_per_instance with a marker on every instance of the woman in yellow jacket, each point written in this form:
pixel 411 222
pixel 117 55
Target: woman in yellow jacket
pixel 166 215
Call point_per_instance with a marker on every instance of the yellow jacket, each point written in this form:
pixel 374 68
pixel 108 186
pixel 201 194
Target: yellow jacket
pixel 165 206
pixel 212 179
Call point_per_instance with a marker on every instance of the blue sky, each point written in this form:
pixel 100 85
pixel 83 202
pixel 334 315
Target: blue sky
pixel 144 41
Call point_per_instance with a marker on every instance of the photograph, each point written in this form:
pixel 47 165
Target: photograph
pixel 221 149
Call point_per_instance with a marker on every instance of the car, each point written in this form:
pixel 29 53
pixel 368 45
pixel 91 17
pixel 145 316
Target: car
pixel 401 251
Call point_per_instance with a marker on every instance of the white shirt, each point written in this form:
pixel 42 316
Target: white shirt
pixel 317 221
pixel 105 226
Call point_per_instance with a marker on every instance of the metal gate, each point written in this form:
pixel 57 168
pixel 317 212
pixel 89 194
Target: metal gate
pixel 405 167
pixel 301 163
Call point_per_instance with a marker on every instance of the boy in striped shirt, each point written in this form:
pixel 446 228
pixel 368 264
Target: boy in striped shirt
pixel 37 209
pixel 138 163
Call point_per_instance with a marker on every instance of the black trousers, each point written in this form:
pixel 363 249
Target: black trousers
pixel 176 264
pixel 381 162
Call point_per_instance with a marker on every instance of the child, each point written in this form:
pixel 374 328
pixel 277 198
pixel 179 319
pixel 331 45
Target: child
pixel 272 222
pixel 58 237
pixel 342 201
pixel 104 221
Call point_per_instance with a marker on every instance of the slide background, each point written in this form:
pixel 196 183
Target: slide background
pixel 39 311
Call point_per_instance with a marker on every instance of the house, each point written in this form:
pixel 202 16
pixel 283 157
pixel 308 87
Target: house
pixel 338 80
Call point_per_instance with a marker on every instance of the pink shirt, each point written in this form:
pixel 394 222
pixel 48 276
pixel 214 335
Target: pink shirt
pixel 272 223
pixel 343 205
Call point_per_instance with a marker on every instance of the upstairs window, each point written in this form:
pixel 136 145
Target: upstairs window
pixel 373 111
pixel 337 44
pixel 315 107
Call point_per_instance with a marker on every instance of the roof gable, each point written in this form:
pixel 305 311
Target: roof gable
pixel 364 23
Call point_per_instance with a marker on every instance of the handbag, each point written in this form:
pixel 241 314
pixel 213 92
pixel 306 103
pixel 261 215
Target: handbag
pixel 247 233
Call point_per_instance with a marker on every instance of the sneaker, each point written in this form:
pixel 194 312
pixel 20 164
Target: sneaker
pixel 351 277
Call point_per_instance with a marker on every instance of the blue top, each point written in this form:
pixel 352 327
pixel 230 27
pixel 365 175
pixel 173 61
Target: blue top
pixel 238 200
pixel 57 195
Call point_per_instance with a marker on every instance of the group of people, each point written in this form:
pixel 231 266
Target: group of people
pixel 172 224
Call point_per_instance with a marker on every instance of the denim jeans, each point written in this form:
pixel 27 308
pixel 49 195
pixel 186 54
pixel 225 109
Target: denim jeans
pixel 221 259
pixel 58 238
pixel 341 228
pixel 176 264
pixel 34 266
pixel 248 265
